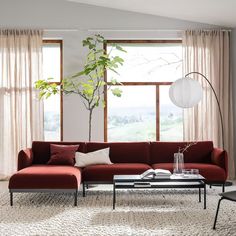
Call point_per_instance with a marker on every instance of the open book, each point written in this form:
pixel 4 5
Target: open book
pixel 157 173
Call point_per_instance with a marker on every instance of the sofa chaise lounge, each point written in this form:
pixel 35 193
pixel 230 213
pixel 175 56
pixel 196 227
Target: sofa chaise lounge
pixel 34 175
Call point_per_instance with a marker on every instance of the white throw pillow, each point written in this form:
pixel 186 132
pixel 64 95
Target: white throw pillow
pixel 92 158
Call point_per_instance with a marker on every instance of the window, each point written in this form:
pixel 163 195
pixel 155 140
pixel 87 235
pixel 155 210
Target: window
pixel 144 112
pixel 52 68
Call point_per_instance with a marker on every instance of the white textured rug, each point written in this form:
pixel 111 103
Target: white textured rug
pixel 141 212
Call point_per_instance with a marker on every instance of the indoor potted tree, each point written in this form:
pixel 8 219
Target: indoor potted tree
pixel 89 82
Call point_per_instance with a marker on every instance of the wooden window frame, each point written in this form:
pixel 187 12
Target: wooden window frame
pixel 157 84
pixel 60 42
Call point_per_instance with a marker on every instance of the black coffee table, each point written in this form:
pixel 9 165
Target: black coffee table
pixel 174 181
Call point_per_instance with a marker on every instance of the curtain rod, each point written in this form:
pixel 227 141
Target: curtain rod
pixel 128 30
pixel 154 30
pixel 61 30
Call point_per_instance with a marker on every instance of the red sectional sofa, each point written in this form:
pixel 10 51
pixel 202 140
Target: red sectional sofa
pixel 34 175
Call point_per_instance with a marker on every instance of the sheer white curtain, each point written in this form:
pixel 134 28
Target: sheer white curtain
pixel 208 52
pixel 21 112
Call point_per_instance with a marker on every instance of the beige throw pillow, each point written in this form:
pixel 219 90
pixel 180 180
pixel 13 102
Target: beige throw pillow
pixel 92 158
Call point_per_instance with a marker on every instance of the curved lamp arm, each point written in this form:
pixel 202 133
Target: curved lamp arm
pixel 217 100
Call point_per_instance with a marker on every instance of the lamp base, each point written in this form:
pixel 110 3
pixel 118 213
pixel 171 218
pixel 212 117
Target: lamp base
pixel 227 184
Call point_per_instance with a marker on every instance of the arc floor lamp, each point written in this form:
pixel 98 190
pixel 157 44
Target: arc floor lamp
pixel 187 92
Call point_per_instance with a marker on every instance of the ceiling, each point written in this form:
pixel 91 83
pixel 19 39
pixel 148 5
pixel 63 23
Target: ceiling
pixel 216 12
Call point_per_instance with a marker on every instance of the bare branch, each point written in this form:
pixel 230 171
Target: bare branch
pixel 186 147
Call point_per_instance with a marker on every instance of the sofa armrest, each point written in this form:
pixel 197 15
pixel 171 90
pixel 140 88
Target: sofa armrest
pixel 219 157
pixel 25 158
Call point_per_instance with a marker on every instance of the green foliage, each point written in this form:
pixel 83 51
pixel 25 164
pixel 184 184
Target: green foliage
pixel 89 82
pixel 46 88
pixel 115 82
pixel 116 92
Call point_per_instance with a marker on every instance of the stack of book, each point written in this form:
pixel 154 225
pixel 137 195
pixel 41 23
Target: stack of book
pixel 156 174
pixel 161 173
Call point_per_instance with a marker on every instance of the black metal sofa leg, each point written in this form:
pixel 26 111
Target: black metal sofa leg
pixel 84 194
pixel 223 188
pixel 11 198
pixel 76 196
pixel 218 206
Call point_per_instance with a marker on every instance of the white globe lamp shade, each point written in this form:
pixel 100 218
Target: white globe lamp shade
pixel 185 92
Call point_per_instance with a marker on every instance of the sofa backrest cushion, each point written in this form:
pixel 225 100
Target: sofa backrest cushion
pixel 123 152
pixel 41 150
pixel 162 152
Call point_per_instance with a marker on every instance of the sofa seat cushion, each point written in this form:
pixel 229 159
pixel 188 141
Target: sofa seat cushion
pixel 211 172
pixel 46 177
pixel 106 172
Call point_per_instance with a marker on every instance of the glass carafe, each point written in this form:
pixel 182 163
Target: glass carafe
pixel 178 163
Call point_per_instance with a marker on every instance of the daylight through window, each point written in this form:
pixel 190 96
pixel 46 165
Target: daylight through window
pixel 52 63
pixel 144 112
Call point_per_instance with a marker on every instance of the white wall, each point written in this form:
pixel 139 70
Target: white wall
pixel 60 14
